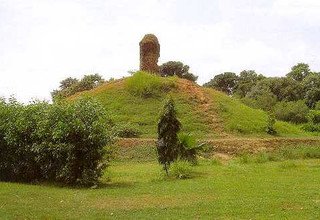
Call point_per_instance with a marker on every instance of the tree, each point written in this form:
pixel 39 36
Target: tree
pixel 177 68
pixel 246 80
pixel 299 72
pixel 168 142
pixel 311 85
pixel 68 82
pixel 224 82
pixel 261 96
pixel 70 86
pixel 285 88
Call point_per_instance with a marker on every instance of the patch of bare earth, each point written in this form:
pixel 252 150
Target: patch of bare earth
pixel 231 146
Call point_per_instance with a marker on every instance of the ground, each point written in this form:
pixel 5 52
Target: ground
pixel 138 190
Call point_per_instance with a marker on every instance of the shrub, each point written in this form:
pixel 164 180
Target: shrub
pixel 60 142
pixel 127 131
pixel 189 148
pixel 295 112
pixel 181 169
pixel 148 85
pixel 270 125
pixel 313 124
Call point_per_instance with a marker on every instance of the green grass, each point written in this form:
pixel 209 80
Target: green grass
pixel 139 100
pixel 281 154
pixel 274 190
pixel 125 102
pixel 244 120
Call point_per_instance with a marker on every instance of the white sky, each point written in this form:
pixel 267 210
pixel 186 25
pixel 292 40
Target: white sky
pixel 45 41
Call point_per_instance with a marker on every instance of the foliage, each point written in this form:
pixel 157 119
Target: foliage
pixel 168 142
pixel 177 68
pixel 260 97
pixel 188 148
pixel 148 85
pixel 181 169
pixel 313 124
pixel 127 131
pixel 311 86
pixel 270 125
pixel 70 86
pixel 299 72
pixel 224 82
pixel 60 142
pixel 295 112
pixel 281 154
pixel 246 80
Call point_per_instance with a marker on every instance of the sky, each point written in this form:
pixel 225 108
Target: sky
pixel 45 41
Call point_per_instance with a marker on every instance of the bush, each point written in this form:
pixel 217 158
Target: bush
pixel 181 169
pixel 60 142
pixel 188 148
pixel 149 85
pixel 127 131
pixel 313 124
pixel 295 112
pixel 270 125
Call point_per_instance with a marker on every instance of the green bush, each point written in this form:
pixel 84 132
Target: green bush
pixel 313 124
pixel 149 85
pixel 295 112
pixel 60 142
pixel 181 169
pixel 188 148
pixel 127 131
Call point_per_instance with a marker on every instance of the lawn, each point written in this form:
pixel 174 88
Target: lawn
pixel 138 190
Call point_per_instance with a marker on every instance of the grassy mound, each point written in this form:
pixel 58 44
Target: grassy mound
pixel 203 112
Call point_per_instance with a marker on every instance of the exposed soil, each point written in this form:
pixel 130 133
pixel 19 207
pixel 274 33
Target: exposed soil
pixel 231 146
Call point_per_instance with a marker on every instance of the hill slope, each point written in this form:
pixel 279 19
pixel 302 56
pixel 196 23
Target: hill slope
pixel 204 112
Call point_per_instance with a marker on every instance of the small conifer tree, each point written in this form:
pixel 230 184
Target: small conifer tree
pixel 168 142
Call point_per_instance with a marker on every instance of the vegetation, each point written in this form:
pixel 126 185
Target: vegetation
pixel 285 189
pixel 177 68
pixel 127 131
pixel 58 143
pixel 148 85
pixel 70 86
pixel 168 143
pixel 289 98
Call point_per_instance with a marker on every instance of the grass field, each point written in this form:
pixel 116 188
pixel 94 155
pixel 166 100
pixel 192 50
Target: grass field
pixel 138 190
pixel 204 112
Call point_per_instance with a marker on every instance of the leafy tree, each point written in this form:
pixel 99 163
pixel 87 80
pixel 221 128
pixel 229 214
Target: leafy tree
pixel 295 112
pixel 246 80
pixel 168 142
pixel 177 68
pixel 224 82
pixel 70 86
pixel 299 72
pixel 261 97
pixel 68 82
pixel 311 85
pixel 286 89
pixel 89 82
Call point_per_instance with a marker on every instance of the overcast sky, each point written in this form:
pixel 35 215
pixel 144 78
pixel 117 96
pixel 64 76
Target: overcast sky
pixel 45 41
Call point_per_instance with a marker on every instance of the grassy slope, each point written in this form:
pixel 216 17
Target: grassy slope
pixel 274 190
pixel 203 112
